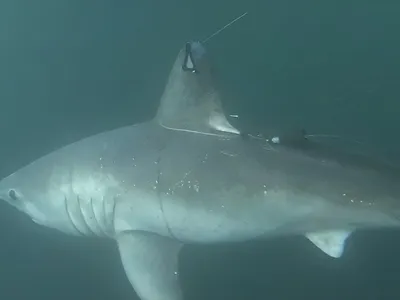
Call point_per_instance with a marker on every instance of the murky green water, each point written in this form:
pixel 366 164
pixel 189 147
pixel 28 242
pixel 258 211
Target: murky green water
pixel 69 69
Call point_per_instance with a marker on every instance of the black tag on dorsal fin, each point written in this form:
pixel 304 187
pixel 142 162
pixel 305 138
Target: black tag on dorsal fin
pixel 189 64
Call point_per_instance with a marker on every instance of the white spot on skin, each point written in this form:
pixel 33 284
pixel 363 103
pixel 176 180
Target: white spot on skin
pixel 275 140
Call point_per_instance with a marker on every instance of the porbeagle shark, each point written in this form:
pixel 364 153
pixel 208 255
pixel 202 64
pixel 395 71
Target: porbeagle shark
pixel 189 177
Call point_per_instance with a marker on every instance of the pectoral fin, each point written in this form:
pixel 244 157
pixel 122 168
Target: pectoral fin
pixel 331 242
pixel 151 264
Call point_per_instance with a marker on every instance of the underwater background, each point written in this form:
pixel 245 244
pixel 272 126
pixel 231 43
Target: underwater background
pixel 70 69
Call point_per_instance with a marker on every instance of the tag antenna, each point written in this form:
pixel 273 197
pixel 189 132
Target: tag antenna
pixel 223 28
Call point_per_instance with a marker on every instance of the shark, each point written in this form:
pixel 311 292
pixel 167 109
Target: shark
pixel 188 176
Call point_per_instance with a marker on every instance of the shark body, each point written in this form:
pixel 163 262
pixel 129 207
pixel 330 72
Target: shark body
pixel 189 177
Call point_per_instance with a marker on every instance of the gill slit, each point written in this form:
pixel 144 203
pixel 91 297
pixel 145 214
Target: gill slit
pixel 70 218
pixel 68 211
pixel 90 230
pixel 101 229
pixel 109 220
pixel 113 216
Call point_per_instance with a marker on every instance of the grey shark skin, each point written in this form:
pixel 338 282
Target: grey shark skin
pixel 189 177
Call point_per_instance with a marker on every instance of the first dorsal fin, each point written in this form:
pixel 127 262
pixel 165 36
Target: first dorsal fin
pixel 190 101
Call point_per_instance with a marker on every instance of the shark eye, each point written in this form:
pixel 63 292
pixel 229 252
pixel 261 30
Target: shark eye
pixel 13 195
